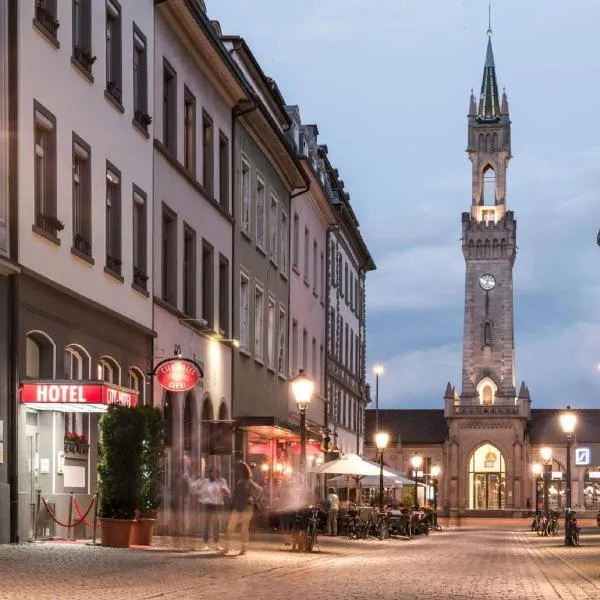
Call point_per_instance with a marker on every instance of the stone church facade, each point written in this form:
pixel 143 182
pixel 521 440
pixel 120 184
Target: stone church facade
pixel 487 437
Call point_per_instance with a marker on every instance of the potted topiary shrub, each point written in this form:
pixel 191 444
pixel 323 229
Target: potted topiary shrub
pixel 150 474
pixel 122 431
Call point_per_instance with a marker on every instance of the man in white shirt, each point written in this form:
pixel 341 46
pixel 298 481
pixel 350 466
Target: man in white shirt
pixel 211 492
pixel 333 504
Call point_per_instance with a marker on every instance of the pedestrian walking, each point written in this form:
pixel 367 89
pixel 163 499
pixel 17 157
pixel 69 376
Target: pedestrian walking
pixel 333 506
pixel 245 495
pixel 211 493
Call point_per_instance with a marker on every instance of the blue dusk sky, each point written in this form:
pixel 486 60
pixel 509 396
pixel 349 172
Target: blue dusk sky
pixel 388 83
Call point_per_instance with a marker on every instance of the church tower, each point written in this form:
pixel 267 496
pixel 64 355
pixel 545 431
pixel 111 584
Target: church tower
pixel 487 449
pixel 489 248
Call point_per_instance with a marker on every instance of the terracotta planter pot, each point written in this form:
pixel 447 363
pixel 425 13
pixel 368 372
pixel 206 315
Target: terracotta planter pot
pixel 116 533
pixel 142 532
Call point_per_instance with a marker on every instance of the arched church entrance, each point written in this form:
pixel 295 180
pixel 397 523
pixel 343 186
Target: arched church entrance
pixel 486 478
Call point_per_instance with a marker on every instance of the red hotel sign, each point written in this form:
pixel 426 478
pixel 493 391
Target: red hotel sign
pixel 178 374
pixel 60 392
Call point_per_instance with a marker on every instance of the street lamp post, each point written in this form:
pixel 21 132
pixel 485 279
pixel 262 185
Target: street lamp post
pixel 378 370
pixel 546 454
pixel 435 473
pixel 416 461
pixel 537 470
pixel 568 420
pixel 381 441
pixel 302 388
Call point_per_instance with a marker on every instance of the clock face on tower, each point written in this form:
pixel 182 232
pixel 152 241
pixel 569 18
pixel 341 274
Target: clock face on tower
pixel 487 282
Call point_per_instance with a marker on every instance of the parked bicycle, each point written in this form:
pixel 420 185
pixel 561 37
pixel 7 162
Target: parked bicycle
pixel 305 529
pixel 548 525
pixel 574 529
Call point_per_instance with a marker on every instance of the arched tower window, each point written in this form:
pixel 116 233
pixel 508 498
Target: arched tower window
pixel 488 188
pixel 487 334
pixel 487 390
pixel 487 396
pixel 495 142
pixel 481 143
pixel 503 248
pixel 487 143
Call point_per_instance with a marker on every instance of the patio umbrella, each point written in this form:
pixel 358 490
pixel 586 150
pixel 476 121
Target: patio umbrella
pixel 351 464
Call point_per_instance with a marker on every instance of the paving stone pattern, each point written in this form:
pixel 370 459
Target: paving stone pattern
pixel 465 564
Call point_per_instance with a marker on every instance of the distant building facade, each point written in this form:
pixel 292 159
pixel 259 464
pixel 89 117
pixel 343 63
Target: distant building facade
pixel 348 262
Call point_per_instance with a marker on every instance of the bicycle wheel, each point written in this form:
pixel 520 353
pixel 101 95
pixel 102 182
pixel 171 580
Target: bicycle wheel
pixel 540 529
pixel 554 527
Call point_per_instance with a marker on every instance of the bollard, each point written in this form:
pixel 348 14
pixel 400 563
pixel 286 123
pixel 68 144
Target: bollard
pixel 95 518
pixel 70 520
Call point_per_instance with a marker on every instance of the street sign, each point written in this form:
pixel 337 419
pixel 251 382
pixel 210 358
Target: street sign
pixel 583 457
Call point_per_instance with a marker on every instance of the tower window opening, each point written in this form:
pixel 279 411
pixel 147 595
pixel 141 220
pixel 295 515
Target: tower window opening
pixel 488 189
pixel 487 334
pixel 487 397
pixel 488 216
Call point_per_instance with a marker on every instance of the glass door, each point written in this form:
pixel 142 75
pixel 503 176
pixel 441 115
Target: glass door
pixel 488 491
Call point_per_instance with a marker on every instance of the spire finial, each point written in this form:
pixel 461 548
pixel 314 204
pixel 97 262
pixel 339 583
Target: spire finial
pixel 489 31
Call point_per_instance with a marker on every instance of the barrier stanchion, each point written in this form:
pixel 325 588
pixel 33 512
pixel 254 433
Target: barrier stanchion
pixel 38 494
pixel 95 516
pixel 66 525
pixel 70 514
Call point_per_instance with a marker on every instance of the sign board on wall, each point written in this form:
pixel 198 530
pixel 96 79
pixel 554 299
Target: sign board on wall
pixel 70 393
pixel 178 374
pixel 74 477
pixel 583 457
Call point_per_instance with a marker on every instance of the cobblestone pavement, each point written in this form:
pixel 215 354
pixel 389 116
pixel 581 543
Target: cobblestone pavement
pixel 464 564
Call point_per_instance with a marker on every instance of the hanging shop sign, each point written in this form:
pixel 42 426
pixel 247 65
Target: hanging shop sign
pixel 70 392
pixel 178 374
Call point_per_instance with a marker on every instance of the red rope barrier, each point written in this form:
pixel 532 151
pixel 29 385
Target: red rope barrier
pixel 53 516
pixel 83 517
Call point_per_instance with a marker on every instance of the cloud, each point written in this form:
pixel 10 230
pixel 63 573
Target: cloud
pixel 560 366
pixel 420 279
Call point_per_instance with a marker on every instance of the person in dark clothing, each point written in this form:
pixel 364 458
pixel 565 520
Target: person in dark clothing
pixel 245 494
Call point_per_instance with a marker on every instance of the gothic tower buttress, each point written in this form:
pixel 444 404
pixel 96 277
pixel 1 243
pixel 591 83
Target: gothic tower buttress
pixel 489 249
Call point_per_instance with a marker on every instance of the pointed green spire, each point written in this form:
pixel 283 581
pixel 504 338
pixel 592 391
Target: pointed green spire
pixel 489 100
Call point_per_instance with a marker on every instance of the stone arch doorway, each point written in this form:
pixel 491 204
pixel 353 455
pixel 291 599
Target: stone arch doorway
pixel 487 478
pixel 207 416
